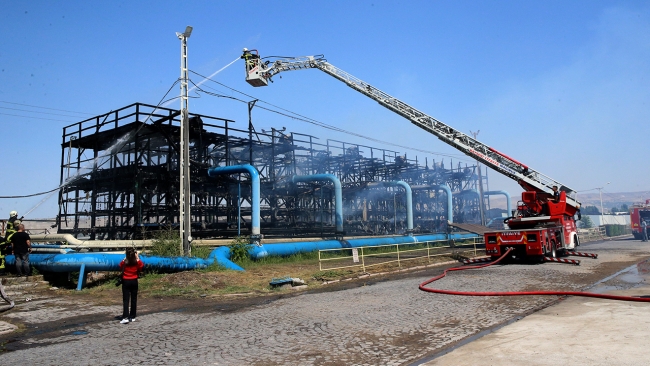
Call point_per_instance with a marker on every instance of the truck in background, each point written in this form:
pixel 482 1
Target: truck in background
pixel 639 211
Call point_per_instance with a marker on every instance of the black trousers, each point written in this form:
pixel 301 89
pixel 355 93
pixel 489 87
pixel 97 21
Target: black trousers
pixel 129 291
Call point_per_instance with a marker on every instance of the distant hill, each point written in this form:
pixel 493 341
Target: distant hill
pixel 611 199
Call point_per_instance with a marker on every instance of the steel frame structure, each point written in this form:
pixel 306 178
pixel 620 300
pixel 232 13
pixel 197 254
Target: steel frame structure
pixel 120 180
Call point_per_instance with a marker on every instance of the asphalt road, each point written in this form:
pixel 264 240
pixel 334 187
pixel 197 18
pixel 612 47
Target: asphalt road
pixel 377 321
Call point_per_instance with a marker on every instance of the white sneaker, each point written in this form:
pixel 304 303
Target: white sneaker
pixel 132 320
pixel 124 321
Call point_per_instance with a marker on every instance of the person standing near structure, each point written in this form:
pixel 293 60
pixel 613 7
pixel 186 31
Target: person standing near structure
pixel 22 245
pixel 131 266
pixel 10 230
pixel 644 230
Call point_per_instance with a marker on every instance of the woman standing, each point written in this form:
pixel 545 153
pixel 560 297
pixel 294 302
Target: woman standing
pixel 131 266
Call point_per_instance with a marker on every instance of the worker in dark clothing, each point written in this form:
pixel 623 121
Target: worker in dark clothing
pixel 250 58
pixel 22 246
pixel 644 230
pixel 556 194
pixel 11 228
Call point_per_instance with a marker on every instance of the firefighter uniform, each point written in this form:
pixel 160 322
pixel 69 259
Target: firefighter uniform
pixel 12 227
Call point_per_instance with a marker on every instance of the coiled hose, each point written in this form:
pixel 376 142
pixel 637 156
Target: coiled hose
pixel 518 293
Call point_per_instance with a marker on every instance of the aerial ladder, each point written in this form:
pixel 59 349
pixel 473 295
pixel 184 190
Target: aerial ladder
pixel 260 73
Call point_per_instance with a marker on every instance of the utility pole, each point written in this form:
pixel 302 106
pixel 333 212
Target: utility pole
pixel 480 185
pixel 600 190
pixel 184 161
pixel 251 104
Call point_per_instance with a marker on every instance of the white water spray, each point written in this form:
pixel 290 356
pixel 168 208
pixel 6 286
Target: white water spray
pixel 206 79
pixel 92 166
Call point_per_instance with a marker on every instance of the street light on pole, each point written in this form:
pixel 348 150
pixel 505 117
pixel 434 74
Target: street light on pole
pixel 184 161
pixel 600 190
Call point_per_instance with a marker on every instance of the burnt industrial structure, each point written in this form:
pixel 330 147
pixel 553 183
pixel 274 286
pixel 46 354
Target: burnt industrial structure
pixel 120 180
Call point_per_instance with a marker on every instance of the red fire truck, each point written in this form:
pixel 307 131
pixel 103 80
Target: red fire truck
pixel 541 227
pixel 639 211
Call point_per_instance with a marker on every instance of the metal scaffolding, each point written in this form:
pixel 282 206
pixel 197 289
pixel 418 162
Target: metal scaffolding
pixel 120 180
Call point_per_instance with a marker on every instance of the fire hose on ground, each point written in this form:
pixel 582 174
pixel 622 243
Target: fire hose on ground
pixel 518 293
pixel 6 298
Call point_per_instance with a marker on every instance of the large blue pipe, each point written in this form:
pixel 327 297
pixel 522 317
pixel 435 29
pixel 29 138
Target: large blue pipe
pixel 508 202
pixel 338 194
pixel 255 188
pixel 450 204
pixel 286 249
pixel 84 262
pixel 71 262
pixel 409 200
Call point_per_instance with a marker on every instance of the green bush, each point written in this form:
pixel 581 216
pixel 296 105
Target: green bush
pixel 239 248
pixel 615 230
pixel 201 252
pixel 166 243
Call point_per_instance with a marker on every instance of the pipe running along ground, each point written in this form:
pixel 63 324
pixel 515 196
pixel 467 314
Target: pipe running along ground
pixel 518 293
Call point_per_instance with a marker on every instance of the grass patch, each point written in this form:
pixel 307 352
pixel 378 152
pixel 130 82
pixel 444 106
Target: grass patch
pixel 216 280
pixel 166 243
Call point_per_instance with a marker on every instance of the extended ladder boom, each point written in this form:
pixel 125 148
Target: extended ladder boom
pixel 259 74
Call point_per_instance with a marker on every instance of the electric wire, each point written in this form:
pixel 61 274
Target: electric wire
pixel 48 113
pixel 30 195
pixel 40 118
pixel 53 109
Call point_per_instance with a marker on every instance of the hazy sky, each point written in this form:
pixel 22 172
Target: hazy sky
pixel 562 86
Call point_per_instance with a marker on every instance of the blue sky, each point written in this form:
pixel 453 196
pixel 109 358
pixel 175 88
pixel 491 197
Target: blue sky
pixel 561 86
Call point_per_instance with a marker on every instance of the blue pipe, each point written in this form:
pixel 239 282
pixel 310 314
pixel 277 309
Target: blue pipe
pixel 409 201
pixel 72 262
pixel 286 249
pixel 450 204
pixel 338 194
pixel 508 202
pixel 255 194
pixel 84 262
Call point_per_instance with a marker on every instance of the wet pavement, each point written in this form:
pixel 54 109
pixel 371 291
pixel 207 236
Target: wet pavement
pixel 380 321
pixel 576 331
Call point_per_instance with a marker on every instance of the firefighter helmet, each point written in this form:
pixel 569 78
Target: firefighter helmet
pixel 245 49
pixel 13 214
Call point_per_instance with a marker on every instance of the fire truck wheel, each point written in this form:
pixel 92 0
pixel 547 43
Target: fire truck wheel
pixel 553 251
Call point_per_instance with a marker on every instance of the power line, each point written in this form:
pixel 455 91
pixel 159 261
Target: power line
pixel 48 119
pixel 53 109
pixel 49 113
pixel 31 195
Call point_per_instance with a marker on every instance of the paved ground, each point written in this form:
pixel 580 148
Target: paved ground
pixel 377 322
pixel 577 331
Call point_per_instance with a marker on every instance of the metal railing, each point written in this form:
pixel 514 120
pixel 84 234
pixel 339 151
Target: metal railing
pixel 370 256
